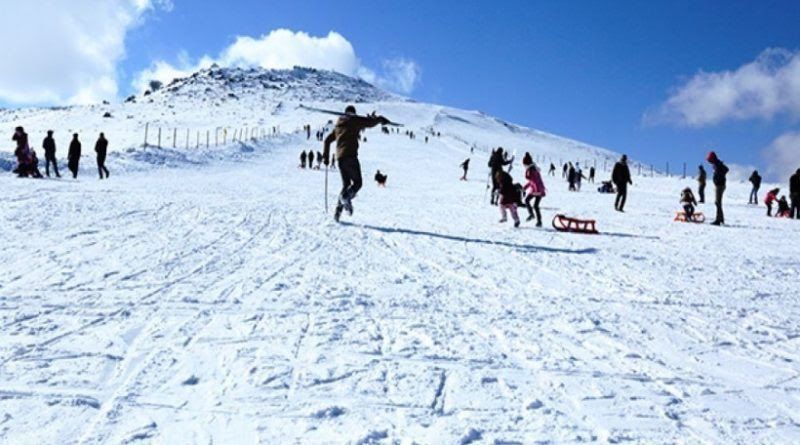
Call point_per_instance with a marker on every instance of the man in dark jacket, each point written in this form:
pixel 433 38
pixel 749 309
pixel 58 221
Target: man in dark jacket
pixel 621 177
pixel 465 167
pixel 49 146
pixel 496 163
pixel 74 156
pixel 701 184
pixel 101 148
pixel 311 159
pixel 303 159
pixel 755 179
pixel 345 134
pixel 720 172
pixel 794 194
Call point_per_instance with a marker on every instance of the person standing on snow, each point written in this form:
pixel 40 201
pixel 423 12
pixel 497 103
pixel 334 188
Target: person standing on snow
pixel 311 159
pixel 536 191
pixel 303 159
pixel 621 177
pixel 591 174
pixel 755 179
pixel 720 182
pixel 527 160
pixel 345 134
pixel 552 171
pixel 508 196
pixel 701 183
pixel 794 194
pixel 496 163
pixel 101 148
pixel 465 166
pixel 49 146
pixel 74 156
pixel 571 177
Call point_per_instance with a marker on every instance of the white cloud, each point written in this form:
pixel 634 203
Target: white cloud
pixel 762 89
pixel 57 52
pixel 783 156
pixel 284 49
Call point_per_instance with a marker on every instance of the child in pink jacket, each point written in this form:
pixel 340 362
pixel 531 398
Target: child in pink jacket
pixel 536 191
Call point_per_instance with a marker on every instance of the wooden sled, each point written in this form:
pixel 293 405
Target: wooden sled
pixel 564 223
pixel 697 217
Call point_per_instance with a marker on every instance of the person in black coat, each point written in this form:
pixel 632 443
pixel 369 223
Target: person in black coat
pixel 311 159
pixel 101 148
pixel 794 194
pixel 496 163
pixel 572 177
pixel 621 177
pixel 755 179
pixel 303 159
pixel 701 183
pixel 465 167
pixel 74 155
pixel 720 182
pixel 49 146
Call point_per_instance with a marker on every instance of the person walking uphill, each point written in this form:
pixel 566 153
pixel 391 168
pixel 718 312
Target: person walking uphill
pixel 720 181
pixel 345 134
pixel 101 148
pixel 794 194
pixel 74 155
pixel 701 183
pixel 621 177
pixel 49 146
pixel 755 179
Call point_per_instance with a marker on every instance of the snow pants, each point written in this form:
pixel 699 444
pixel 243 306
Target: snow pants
pixel 350 170
pixel 719 191
pixel 510 207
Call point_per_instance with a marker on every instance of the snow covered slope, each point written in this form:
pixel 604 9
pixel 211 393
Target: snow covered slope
pixel 215 302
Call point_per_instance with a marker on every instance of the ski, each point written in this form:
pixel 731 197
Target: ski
pixel 338 113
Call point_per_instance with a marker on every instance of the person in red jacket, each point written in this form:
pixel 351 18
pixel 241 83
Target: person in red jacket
pixel 772 196
pixel 536 191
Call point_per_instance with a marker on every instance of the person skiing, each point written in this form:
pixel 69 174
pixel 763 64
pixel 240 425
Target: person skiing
pixel 380 178
pixel 465 166
pixel 536 191
pixel 794 194
pixel 755 179
pixel 772 196
pixel 74 156
pixel 783 208
pixel 311 159
pixel 621 177
pixel 552 171
pixel 591 174
pixel 303 159
pixel 508 196
pixel 688 202
pixel 701 183
pixel 496 163
pixel 720 181
pixel 345 134
pixel 571 177
pixel 49 146
pixel 101 148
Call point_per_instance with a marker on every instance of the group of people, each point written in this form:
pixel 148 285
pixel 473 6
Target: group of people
pixel 28 162
pixel 785 209
pixel 308 159
pixel 507 195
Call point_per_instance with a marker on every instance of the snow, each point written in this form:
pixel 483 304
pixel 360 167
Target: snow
pixel 204 296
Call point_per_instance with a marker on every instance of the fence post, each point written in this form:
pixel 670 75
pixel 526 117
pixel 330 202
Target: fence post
pixel 684 170
pixel 224 136
pixel 198 139
pixel 187 138
pixel 159 137
pixel 146 130
pixel 216 137
pixel 208 138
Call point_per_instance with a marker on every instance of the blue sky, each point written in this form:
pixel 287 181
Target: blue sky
pixel 589 70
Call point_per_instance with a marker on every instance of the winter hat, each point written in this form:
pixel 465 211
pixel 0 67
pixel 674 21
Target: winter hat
pixel 711 156
pixel 350 109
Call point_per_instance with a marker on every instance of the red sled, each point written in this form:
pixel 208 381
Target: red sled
pixel 697 217
pixel 564 223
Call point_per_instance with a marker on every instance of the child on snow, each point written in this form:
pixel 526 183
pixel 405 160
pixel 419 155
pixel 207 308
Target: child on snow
pixel 536 191
pixel 783 208
pixel 688 202
pixel 509 196
pixel 772 196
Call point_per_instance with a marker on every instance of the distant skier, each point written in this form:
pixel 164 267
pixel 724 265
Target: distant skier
pixel 310 159
pixel 688 202
pixel 621 177
pixel 319 160
pixel 755 180
pixel 380 178
pixel 509 196
pixel 345 134
pixel 720 181
pixel 564 171
pixel 701 183
pixel 536 191
pixel 591 174
pixel 794 194
pixel 465 167
pixel 496 163
pixel 74 156
pixel 49 146
pixel 552 171
pixel 303 157
pixel 783 208
pixel 101 148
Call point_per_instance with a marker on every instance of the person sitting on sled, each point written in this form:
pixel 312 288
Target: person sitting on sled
pixel 688 202
pixel 606 187
pixel 783 208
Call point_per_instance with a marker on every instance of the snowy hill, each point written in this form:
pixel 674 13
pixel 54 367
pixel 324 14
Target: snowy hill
pixel 215 301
